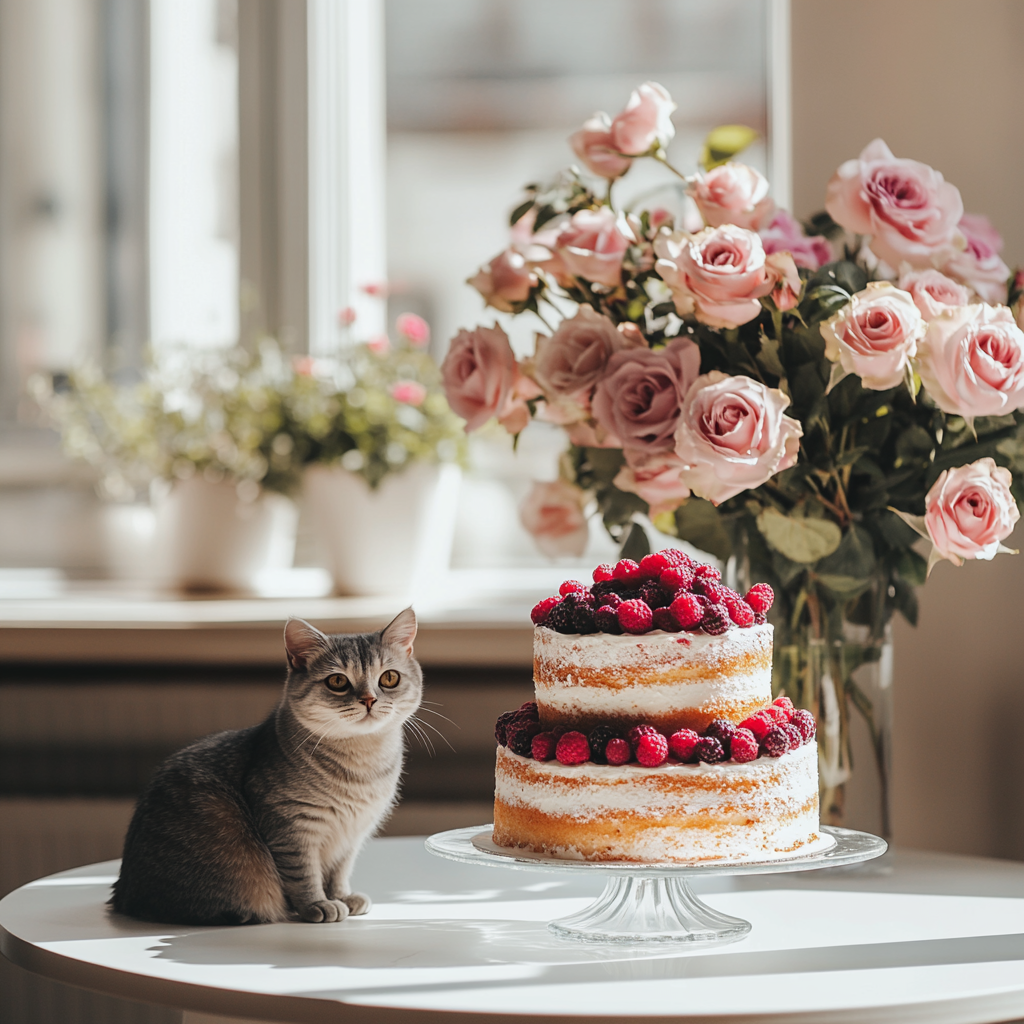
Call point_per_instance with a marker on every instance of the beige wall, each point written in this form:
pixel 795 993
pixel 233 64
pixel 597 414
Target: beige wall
pixel 941 81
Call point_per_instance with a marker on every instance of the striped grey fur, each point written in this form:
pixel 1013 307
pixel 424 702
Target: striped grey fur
pixel 264 824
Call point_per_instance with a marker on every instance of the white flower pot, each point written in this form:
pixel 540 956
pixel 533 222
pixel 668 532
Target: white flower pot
pixel 394 540
pixel 208 537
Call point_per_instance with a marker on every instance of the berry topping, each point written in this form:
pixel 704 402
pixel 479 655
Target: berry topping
pixel 739 611
pixel 501 727
pixel 744 746
pixel 540 612
pixel 760 597
pixel 775 742
pixel 572 748
pixel 723 731
pixel 520 737
pixel 606 620
pixel 598 739
pixel 682 744
pixel 778 715
pixel 571 587
pixel 627 570
pixel 543 746
pixel 653 565
pixel 618 752
pixel 804 721
pixel 610 600
pixel 652 750
pixel 583 619
pixel 687 610
pixel 796 737
pixel 678 558
pixel 653 596
pixel 637 731
pixel 529 707
pixel 664 619
pixel 786 704
pixel 716 619
pixel 562 618
pixel 760 618
pixel 709 572
pixel 676 578
pixel 634 616
pixel 603 572
pixel 709 588
pixel 709 750
pixel 758 724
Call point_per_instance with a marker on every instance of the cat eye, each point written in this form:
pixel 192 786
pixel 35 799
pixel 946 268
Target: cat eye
pixel 390 678
pixel 337 683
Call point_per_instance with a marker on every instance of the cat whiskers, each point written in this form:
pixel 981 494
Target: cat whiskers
pixel 421 736
pixel 431 726
pixel 439 715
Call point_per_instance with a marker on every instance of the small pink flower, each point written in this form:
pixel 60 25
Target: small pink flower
pixel 376 289
pixel 593 244
pixel 410 392
pixel 654 477
pixel 660 217
pixel 379 344
pixel 646 122
pixel 979 264
pixel 875 335
pixel 970 510
pixel 481 378
pixel 785 278
pixel 906 207
pixel 594 145
pixel 552 514
pixel 347 317
pixel 785 234
pixel 733 193
pixel 415 328
pixel 933 293
pixel 303 365
pixel 733 435
pixel 971 361
pixel 505 282
pixel 717 275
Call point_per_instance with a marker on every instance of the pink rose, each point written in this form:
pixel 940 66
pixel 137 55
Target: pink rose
pixel 969 510
pixel 875 335
pixel 733 194
pixel 639 401
pixel 933 293
pixel 593 244
pixel 733 435
pixel 481 379
pixel 785 280
pixel 718 275
pixel 553 515
pixel 971 361
pixel 785 234
pixel 655 477
pixel 415 328
pixel 907 208
pixel 979 264
pixel 505 281
pixel 646 123
pixel 409 392
pixel 594 145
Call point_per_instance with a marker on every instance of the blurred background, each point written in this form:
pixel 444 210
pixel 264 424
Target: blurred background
pixel 192 175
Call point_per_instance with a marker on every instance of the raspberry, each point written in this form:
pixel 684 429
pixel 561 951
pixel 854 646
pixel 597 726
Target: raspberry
pixel 804 721
pixel 779 716
pixel 709 572
pixel 634 616
pixel 760 618
pixel 618 752
pixel 675 579
pixel 652 750
pixel 562 617
pixel 687 610
pixel 540 612
pixel 606 620
pixel 758 724
pixel 571 587
pixel 637 731
pixel 722 731
pixel 652 566
pixel 520 737
pixel 705 602
pixel 786 704
pixel 715 620
pixel 743 747
pixel 739 611
pixel 682 744
pixel 603 572
pixel 709 588
pixel 664 619
pixel 653 596
pixel 678 558
pixel 709 750
pixel 796 737
pixel 501 727
pixel 775 742
pixel 598 739
pixel 627 569
pixel 543 746
pixel 611 600
pixel 572 748
pixel 760 597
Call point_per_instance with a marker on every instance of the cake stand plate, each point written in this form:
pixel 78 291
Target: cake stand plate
pixel 653 903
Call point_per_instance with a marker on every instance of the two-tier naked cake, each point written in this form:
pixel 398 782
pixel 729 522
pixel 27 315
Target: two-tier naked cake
pixel 654 736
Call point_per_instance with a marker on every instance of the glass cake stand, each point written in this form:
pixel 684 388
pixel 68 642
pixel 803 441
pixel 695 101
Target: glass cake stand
pixel 653 903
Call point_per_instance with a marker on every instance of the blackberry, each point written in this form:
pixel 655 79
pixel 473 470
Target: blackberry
pixel 722 731
pixel 716 619
pixel 653 595
pixel 604 587
pixel 562 618
pixel 598 740
pixel 520 738
pixel 607 621
pixel 501 727
pixel 708 750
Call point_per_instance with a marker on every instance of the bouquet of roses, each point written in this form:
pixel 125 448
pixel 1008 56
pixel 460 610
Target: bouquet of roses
pixel 809 400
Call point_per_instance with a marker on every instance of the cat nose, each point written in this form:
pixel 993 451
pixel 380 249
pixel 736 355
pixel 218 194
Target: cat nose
pixel 368 701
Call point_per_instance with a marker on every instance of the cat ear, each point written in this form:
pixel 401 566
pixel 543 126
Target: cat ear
pixel 401 630
pixel 302 642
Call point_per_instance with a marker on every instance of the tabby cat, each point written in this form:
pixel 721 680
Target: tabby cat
pixel 264 824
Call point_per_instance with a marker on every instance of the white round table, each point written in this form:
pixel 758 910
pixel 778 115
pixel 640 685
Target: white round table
pixel 922 937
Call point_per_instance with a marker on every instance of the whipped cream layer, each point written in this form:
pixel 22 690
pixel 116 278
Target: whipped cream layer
pixel 656 677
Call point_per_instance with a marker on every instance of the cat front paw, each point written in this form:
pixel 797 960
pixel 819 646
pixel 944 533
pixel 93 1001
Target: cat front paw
pixel 325 911
pixel 357 903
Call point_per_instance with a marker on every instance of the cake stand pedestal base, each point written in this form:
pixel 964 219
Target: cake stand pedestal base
pixel 662 909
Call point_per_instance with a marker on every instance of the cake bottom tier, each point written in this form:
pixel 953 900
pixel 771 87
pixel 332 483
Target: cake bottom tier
pixel 678 812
